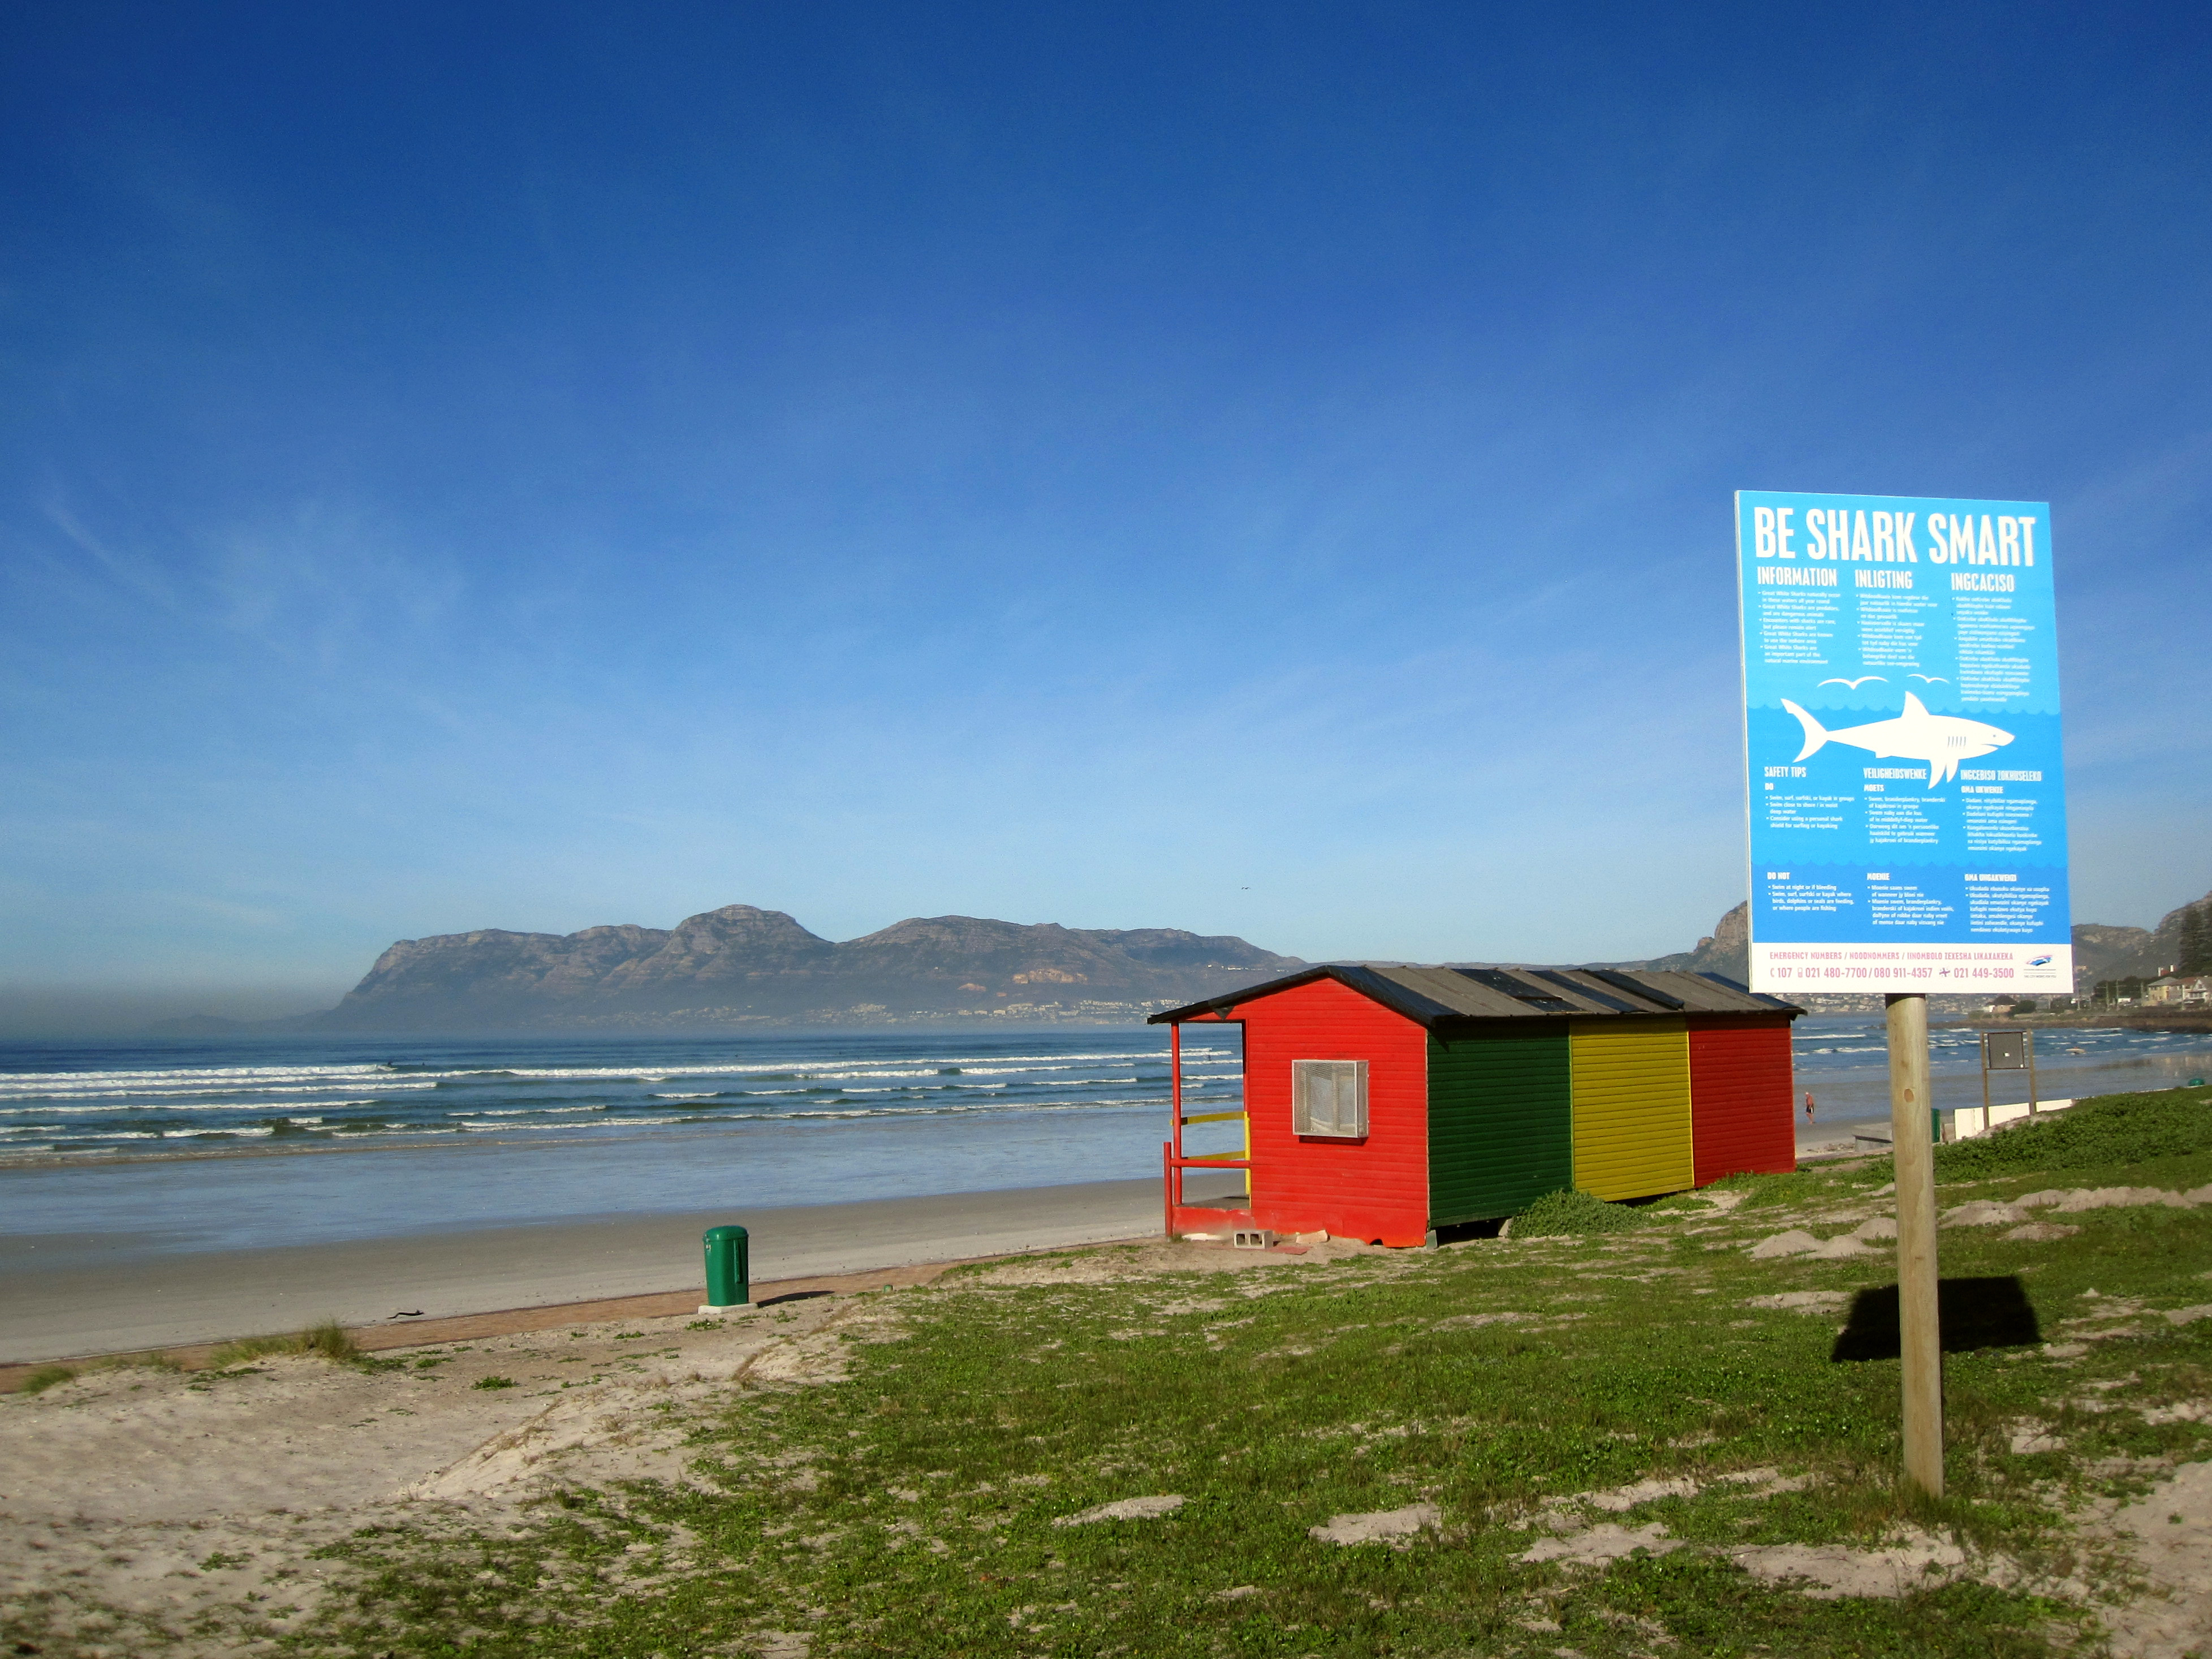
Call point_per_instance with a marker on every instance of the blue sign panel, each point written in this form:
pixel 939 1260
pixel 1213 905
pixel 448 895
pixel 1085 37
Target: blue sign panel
pixel 1908 803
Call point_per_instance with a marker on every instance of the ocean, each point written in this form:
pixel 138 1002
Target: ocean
pixel 209 1145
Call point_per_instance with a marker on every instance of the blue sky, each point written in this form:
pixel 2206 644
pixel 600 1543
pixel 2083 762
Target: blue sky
pixel 1255 469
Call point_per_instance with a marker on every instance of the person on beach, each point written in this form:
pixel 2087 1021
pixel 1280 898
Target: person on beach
pixel 1808 1106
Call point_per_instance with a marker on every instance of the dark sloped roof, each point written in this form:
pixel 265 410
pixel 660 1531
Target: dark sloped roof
pixel 1435 996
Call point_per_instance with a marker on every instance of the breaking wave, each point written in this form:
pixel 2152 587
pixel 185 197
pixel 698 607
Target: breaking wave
pixel 139 1110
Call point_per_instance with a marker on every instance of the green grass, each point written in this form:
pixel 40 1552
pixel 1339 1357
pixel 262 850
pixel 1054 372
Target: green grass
pixel 47 1377
pixel 327 1341
pixel 907 1509
pixel 2113 1131
pixel 1570 1214
pixel 141 1362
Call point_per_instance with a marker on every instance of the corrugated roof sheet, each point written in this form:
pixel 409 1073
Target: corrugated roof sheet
pixel 1433 996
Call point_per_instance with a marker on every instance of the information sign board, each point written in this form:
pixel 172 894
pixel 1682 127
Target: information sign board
pixel 1901 720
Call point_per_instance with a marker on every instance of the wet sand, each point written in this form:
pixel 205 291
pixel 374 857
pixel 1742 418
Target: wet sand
pixel 1830 1137
pixel 66 1296
pixel 71 1296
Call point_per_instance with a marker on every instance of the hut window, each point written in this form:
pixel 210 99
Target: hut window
pixel 1329 1097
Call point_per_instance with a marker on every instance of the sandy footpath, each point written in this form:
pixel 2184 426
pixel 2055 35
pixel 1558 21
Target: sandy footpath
pixel 178 1513
pixel 115 1297
pixel 131 1494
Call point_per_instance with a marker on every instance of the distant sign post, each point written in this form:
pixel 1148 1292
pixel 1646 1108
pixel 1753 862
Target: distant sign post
pixel 2007 1051
pixel 1906 799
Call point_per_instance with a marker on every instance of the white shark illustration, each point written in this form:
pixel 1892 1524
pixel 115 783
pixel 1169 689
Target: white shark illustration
pixel 1941 740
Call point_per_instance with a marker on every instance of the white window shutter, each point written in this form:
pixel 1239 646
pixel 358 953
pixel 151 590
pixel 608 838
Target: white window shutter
pixel 1328 1098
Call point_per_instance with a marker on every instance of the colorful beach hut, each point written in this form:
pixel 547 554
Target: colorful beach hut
pixel 1385 1103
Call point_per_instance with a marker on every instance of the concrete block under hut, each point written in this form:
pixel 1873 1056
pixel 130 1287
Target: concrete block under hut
pixel 1384 1103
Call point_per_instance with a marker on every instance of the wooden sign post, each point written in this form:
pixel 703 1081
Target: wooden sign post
pixel 1919 1328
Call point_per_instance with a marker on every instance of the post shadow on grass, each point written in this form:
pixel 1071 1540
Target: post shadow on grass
pixel 1973 1313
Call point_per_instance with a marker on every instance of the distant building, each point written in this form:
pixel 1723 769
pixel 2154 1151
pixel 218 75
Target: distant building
pixel 2197 992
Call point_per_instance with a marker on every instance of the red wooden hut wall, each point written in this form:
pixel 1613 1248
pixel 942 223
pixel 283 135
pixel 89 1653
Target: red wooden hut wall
pixel 1375 1189
pixel 1740 1086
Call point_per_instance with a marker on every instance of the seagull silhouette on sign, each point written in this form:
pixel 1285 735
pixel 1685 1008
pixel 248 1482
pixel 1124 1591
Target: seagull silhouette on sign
pixel 1932 679
pixel 1857 683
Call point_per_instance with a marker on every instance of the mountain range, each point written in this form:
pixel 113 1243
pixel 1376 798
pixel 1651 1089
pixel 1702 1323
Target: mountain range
pixel 741 966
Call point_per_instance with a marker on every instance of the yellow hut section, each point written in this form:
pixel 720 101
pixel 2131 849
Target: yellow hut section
pixel 1631 1085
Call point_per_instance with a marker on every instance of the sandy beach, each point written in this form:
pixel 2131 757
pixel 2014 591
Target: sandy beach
pixel 202 1514
pixel 73 1296
pixel 210 1493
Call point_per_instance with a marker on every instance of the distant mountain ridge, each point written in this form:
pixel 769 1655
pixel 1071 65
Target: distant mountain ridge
pixel 743 965
pixel 2102 950
pixel 1725 951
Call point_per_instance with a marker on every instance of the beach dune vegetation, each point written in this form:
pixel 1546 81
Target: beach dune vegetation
pixel 1630 1433
pixel 1624 1432
pixel 327 1341
pixel 1570 1214
pixel 2109 1133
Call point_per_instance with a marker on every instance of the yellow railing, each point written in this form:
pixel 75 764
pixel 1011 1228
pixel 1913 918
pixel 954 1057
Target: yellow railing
pixel 1245 1118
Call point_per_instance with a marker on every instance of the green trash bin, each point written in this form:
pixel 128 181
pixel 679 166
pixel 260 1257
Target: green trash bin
pixel 729 1270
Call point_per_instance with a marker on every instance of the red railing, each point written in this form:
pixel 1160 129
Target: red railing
pixel 1171 1169
pixel 1172 1161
